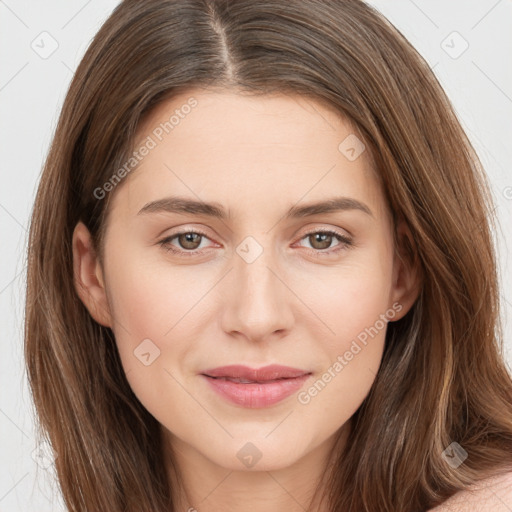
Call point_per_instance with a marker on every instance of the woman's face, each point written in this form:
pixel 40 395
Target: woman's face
pixel 238 272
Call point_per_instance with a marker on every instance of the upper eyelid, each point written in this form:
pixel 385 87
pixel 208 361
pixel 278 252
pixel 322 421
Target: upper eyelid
pixel 202 232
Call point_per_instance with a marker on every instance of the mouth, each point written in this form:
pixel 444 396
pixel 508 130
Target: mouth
pixel 255 388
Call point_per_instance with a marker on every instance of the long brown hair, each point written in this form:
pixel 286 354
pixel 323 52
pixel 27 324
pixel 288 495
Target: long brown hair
pixel 442 377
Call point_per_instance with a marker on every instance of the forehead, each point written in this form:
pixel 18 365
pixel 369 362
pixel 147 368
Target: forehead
pixel 220 145
pixel 236 117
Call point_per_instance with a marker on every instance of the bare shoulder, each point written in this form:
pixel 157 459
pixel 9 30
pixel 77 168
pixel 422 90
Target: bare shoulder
pixel 490 495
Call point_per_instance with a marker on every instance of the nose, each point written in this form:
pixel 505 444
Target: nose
pixel 258 304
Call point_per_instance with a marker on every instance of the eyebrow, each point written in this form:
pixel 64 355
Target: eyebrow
pixel 216 210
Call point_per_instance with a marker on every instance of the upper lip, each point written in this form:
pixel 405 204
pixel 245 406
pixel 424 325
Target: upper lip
pixel 271 372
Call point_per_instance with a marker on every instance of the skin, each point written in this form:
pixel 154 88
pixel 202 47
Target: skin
pixel 292 305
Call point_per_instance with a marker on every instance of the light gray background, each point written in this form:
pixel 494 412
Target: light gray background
pixel 32 89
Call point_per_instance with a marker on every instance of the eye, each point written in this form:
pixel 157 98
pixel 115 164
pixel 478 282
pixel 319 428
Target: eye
pixel 189 241
pixel 322 239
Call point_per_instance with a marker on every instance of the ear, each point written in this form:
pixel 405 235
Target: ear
pixel 88 276
pixel 407 274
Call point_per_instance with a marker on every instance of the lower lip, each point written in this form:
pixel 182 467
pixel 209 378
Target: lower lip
pixel 256 395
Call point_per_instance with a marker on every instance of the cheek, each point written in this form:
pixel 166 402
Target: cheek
pixel 149 299
pixel 156 309
pixel 352 300
pixel 151 308
pixel 358 321
pixel 353 306
pixel 350 357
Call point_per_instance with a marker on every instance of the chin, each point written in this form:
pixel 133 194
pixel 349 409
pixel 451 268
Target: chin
pixel 256 454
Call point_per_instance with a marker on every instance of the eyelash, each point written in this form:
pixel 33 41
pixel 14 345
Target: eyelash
pixel 345 243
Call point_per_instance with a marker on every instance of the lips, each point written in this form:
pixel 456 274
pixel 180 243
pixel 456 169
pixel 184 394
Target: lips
pixel 255 388
pixel 265 374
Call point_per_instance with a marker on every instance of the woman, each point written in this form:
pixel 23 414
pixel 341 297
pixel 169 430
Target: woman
pixel 261 271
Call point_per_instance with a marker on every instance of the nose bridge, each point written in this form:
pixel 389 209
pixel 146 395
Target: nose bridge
pixel 257 304
pixel 252 272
